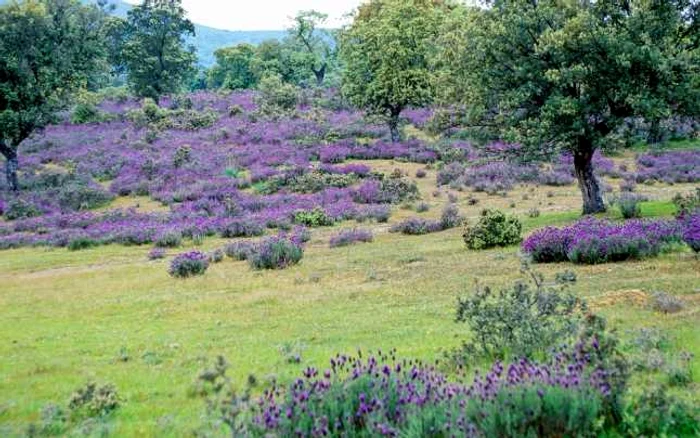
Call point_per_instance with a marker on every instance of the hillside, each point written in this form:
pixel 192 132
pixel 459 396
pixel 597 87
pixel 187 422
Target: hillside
pixel 209 39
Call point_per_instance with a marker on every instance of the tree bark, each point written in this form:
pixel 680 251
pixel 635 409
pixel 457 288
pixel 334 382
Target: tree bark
pixel 320 74
pixel 394 124
pixel 588 183
pixel 11 165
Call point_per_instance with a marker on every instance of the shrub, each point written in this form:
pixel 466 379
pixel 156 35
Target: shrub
pixel 416 226
pixel 276 253
pixel 421 173
pixel 691 232
pixel 450 217
pixel 169 239
pixel 93 400
pixel 592 240
pixel 629 206
pixel 666 303
pixel 526 318
pixel 313 218
pixel 687 204
pixel 655 413
pixel 277 94
pixel 240 250
pixel 156 254
pixel 216 256
pixel 383 396
pixel 189 264
pixel 379 213
pixel 395 191
pixel 493 229
pixel 422 207
pixel 350 236
pixel 81 196
pixel 242 228
pixel 81 243
pixel 20 209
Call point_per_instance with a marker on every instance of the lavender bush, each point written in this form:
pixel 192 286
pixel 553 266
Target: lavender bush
pixel 276 253
pixel 350 236
pixel 189 264
pixel 592 240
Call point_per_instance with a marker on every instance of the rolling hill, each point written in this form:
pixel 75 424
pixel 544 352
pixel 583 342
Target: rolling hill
pixel 208 39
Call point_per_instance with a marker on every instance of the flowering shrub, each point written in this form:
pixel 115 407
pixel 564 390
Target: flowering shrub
pixel 493 229
pixel 276 253
pixel 416 226
pixel 169 239
pixel 216 256
pixel 350 236
pixel 189 264
pixel 156 254
pixel 239 250
pixel 691 234
pixel 593 240
pixel 384 396
pixel 669 167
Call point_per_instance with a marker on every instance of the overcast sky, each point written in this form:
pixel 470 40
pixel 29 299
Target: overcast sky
pixel 261 14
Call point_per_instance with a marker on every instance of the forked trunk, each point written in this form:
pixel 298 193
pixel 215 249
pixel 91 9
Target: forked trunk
pixel 588 183
pixel 11 165
pixel 320 75
pixel 394 125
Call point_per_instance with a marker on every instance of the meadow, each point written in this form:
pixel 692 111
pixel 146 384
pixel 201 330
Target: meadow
pixel 82 301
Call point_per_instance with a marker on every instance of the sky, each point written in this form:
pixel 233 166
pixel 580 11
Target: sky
pixel 261 14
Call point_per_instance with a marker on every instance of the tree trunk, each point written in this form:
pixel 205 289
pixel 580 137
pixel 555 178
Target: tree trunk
pixel 394 125
pixel 655 134
pixel 320 75
pixel 11 165
pixel 587 181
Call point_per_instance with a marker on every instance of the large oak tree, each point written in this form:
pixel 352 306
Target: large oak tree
pixel 564 74
pixel 48 49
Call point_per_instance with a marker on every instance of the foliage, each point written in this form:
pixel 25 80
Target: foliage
pixel 314 41
pixel 385 396
pixel 156 254
pixel 493 229
pixel 629 206
pixel 276 253
pixel 313 218
pixel 80 196
pixel 239 250
pixel 450 217
pixel 687 204
pixel 519 66
pixel 154 52
pixel 655 413
pixel 276 94
pixel 416 226
pixel 189 264
pixel 691 234
pixel 19 208
pixel 527 318
pixel 168 239
pixel 591 241
pixel 350 236
pixel 94 400
pixel 385 54
pixel 665 303
pixel 49 50
pixel 234 68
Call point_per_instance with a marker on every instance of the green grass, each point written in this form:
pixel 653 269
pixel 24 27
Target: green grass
pixel 68 316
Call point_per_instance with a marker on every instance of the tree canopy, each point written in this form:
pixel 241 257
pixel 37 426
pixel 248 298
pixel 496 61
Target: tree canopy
pixel 314 42
pixel 48 49
pixel 565 75
pixel 387 56
pixel 154 51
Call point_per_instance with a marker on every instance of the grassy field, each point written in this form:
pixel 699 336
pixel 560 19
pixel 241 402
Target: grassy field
pixel 110 315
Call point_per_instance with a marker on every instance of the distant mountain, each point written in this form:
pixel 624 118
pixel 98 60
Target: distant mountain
pixel 209 39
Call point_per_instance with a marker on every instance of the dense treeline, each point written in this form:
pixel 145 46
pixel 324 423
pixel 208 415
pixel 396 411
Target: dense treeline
pixel 549 75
